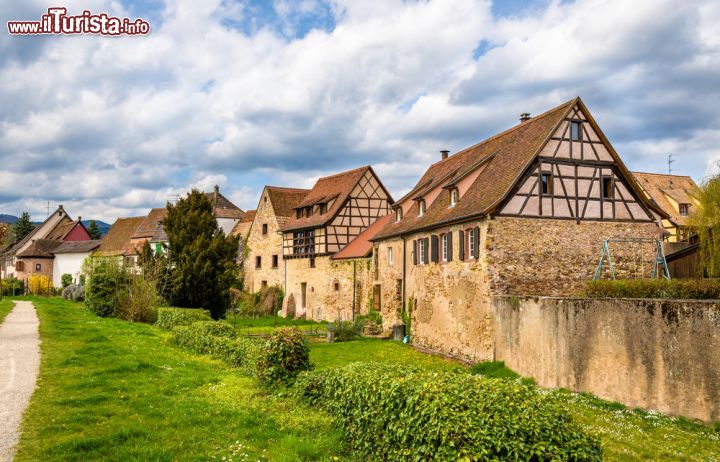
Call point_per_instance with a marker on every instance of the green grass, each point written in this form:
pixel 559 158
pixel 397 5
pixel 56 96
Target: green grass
pixel 6 306
pixel 112 390
pixel 267 324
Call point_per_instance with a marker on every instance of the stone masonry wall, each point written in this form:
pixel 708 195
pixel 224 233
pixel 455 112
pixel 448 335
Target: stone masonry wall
pixel 323 301
pixel 653 354
pixel 388 276
pixel 557 257
pixel 265 246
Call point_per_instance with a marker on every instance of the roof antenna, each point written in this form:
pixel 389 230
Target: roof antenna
pixel 48 209
pixel 670 162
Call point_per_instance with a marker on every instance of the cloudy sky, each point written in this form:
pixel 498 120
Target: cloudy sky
pixel 247 93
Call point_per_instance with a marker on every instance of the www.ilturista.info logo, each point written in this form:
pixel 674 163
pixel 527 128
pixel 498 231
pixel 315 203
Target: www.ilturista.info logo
pixel 56 21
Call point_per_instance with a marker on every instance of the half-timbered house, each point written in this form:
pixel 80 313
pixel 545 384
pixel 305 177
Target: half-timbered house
pixel 523 212
pixel 334 213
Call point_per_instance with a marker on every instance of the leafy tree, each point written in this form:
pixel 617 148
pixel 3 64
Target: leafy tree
pixel 22 227
pixel 202 260
pixel 707 222
pixel 94 230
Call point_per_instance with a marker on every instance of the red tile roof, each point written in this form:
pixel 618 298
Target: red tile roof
pixel 336 187
pixel 117 240
pixel 361 246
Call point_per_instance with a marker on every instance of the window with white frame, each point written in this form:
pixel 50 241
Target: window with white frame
pixel 454 197
pixel 471 244
pixel 390 256
pixel 421 208
pixel 398 214
pixel 444 247
pixel 421 251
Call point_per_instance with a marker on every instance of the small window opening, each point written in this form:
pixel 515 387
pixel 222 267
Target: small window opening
pixel 421 208
pixel 607 187
pixel 454 197
pixel 546 183
pixel 684 209
pixel 575 131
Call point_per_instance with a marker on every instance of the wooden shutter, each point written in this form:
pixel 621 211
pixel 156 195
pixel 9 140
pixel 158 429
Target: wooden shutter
pixel 461 239
pixel 449 247
pixel 476 236
pixel 415 252
pixel 434 248
pixel 427 251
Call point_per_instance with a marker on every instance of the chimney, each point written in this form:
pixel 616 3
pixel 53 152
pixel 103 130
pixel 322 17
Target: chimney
pixel 217 189
pixel 79 219
pixel 524 117
pixel 444 154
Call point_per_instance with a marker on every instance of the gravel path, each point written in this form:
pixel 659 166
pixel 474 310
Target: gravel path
pixel 19 366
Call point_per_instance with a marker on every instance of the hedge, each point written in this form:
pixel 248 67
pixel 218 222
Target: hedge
pixel 398 413
pixel 168 318
pixel 219 340
pixel 283 356
pixel 689 289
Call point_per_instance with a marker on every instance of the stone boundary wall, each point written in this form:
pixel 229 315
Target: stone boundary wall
pixel 654 354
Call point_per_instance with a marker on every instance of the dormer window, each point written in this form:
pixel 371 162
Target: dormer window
pixel 323 209
pixel 454 196
pixel 421 208
pixel 298 214
pixel 684 209
pixel 308 211
pixel 398 214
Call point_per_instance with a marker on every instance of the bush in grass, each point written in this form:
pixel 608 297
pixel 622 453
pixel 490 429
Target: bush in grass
pixel 66 279
pixel 345 331
pixel 267 301
pixel 39 284
pixel 691 289
pixel 13 286
pixel 107 280
pixel 74 292
pixel 219 340
pixel 138 301
pixel 399 413
pixel 283 356
pixel 170 317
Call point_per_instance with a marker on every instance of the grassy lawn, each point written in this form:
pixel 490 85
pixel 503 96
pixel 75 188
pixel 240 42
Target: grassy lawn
pixel 6 306
pixel 266 324
pixel 112 390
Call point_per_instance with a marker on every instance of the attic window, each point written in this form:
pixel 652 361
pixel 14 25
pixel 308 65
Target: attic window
pixel 546 184
pixel 607 187
pixel 308 211
pixel 323 209
pixel 454 196
pixel 684 209
pixel 575 132
pixel 398 214
pixel 265 199
pixel 298 213
pixel 264 228
pixel 421 208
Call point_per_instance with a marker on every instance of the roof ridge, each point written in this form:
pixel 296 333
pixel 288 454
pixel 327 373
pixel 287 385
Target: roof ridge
pixel 344 173
pixel 287 189
pixel 511 129
pixel 661 174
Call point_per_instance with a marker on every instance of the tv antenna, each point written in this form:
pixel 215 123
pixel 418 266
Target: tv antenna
pixel 175 197
pixel 48 209
pixel 670 162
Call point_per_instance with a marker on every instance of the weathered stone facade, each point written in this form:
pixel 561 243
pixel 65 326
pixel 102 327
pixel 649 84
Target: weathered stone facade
pixel 30 266
pixel 654 354
pixel 264 242
pixel 328 288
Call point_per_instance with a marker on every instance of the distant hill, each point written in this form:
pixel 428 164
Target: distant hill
pixel 8 218
pixel 11 219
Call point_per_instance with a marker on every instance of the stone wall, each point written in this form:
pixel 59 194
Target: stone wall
pixel 557 257
pixel 329 288
pixel 46 267
pixel 653 354
pixel 388 276
pixel 264 246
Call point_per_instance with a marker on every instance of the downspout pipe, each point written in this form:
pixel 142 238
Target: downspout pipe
pixel 354 287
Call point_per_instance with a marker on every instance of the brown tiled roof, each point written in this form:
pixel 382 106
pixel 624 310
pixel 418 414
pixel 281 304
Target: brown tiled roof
pixel 117 240
pixel 223 207
pixel 151 224
pixel 361 246
pixel 680 188
pixel 15 247
pixel 77 246
pixel 61 230
pixel 284 200
pixel 242 227
pixel 40 248
pixel 336 187
pixel 506 155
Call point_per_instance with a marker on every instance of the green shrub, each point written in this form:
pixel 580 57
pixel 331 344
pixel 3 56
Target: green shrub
pixel 346 330
pixel 267 301
pixel 170 317
pixel 138 301
pixel 66 279
pixel 399 413
pixel 691 289
pixel 108 279
pixel 283 356
pixel 219 340
pixel 13 286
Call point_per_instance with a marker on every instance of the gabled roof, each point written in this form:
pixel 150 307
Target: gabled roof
pixel 223 207
pixel 40 248
pixel 337 187
pixel 504 159
pixel 33 234
pixel 77 247
pixel 117 240
pixel 285 200
pixel 150 224
pixel 361 246
pixel 681 189
pixel 62 230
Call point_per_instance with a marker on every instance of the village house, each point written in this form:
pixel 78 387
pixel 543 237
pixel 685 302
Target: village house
pixel 523 212
pixel 677 196
pixel 151 230
pixel 118 242
pixel 242 227
pixel 264 265
pixel 335 212
pixel 69 258
pixel 34 253
pixel 227 214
